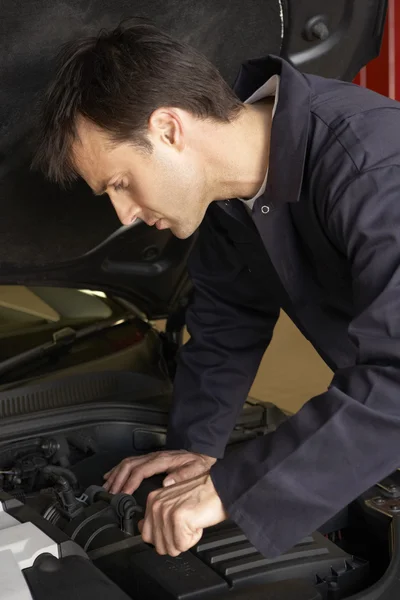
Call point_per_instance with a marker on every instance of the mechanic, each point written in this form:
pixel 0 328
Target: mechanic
pixel 293 182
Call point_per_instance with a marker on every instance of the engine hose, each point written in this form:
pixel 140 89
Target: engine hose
pixel 64 481
pixel 61 471
pixel 124 505
pixel 128 524
pixel 97 527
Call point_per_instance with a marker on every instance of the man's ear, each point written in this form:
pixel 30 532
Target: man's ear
pixel 165 125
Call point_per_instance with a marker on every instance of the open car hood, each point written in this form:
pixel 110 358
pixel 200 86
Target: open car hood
pixel 70 238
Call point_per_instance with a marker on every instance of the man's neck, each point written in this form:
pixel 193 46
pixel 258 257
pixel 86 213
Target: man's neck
pixel 239 154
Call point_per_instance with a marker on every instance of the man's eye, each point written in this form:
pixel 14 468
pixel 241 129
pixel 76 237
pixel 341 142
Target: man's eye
pixel 118 186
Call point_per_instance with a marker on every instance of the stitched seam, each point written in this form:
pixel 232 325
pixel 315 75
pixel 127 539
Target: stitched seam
pixel 332 130
pixel 359 112
pixel 369 336
pixel 353 179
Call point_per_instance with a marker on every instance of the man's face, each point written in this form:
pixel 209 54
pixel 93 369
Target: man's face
pixel 166 187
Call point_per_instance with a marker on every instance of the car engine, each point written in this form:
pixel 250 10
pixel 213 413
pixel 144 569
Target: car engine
pixel 62 531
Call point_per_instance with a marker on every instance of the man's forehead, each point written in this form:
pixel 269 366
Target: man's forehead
pixel 93 173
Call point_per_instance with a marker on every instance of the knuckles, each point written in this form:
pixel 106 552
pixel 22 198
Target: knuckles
pixel 156 506
pixel 178 518
pixel 152 496
pixel 155 456
pixel 146 537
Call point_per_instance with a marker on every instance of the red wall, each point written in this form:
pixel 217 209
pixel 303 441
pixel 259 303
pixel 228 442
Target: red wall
pixel 383 73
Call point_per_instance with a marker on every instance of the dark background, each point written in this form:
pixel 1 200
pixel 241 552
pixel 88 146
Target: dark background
pixel 39 223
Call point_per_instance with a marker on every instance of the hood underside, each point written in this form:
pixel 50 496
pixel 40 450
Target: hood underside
pixel 49 236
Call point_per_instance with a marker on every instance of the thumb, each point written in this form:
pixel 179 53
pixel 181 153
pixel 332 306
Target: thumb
pixel 168 481
pixel 184 473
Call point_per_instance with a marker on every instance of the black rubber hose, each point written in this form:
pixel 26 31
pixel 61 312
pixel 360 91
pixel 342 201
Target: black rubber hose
pixel 124 505
pixel 67 473
pixel 64 481
pixel 128 524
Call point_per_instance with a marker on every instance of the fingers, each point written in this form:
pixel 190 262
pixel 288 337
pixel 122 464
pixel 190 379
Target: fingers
pixel 183 536
pixel 107 475
pixel 156 526
pixel 129 474
pixel 170 522
pixel 160 530
pixel 152 532
pixel 168 481
pixel 192 469
pixel 119 474
pixel 180 464
pixel 168 529
pixel 153 466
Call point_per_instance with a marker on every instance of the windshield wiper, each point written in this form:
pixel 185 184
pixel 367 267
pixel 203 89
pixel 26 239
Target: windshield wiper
pixel 64 338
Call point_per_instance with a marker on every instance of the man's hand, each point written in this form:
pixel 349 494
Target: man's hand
pixel 176 515
pixel 179 464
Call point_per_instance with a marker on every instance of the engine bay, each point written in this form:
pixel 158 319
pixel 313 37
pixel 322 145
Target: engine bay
pixel 54 481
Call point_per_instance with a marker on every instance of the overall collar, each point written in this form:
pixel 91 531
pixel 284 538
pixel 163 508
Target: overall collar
pixel 289 133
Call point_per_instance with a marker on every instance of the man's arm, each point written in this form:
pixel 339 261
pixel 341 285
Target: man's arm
pixel 281 487
pixel 230 321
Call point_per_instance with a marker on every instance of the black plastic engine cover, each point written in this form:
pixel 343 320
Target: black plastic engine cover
pixel 225 562
pixel 70 577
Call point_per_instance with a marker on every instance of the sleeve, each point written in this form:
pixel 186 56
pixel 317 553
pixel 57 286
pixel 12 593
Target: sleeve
pixel 283 486
pixel 230 321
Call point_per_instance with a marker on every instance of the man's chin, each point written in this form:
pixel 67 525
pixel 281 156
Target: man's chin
pixel 178 230
pixel 182 233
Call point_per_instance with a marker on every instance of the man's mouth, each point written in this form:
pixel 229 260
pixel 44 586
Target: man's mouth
pixel 161 224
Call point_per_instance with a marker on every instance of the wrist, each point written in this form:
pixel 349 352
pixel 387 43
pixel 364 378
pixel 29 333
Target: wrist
pixel 212 493
pixel 209 460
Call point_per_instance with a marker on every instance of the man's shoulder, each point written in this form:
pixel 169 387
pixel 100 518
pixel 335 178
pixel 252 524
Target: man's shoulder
pixel 352 130
pixel 332 99
pixel 365 125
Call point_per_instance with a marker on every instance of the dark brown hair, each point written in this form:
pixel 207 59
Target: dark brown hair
pixel 117 80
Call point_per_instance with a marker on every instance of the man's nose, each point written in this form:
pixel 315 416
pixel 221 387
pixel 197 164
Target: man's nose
pixel 126 209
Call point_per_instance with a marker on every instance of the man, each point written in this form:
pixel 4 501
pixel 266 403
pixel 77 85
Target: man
pixel 294 184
